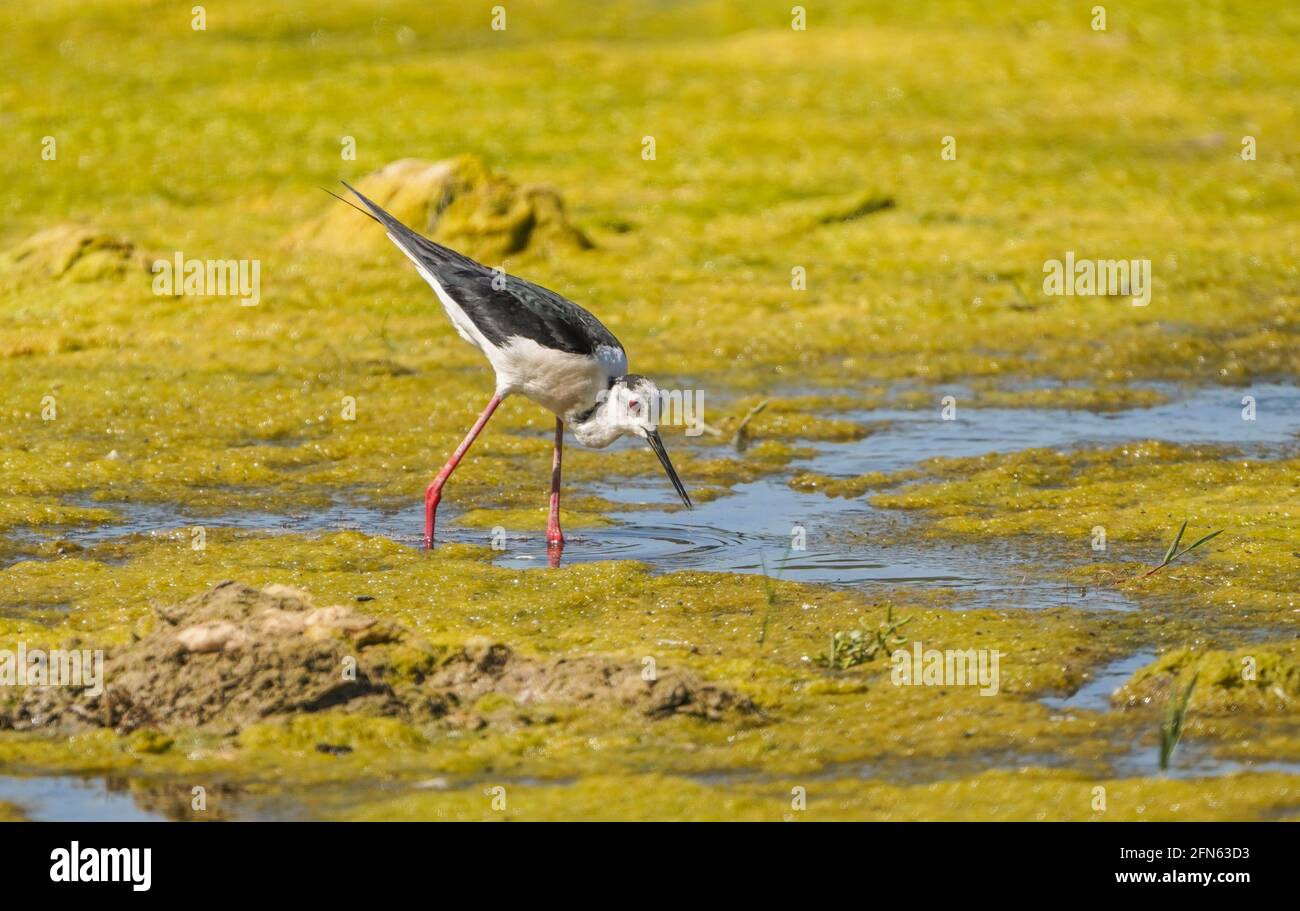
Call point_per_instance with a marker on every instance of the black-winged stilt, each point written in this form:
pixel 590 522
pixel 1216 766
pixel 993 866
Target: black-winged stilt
pixel 543 347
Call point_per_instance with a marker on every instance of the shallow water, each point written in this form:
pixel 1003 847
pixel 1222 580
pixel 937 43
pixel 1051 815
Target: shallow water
pixel 1094 695
pixel 70 799
pixel 1190 760
pixel 849 542
pixel 751 529
pixel 1212 415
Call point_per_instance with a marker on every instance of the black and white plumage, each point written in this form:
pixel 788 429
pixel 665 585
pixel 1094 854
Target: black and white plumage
pixel 541 345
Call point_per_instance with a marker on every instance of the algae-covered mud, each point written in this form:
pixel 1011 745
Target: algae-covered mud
pixel 929 571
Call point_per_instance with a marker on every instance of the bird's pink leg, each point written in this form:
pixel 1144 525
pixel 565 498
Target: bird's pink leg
pixel 555 537
pixel 433 493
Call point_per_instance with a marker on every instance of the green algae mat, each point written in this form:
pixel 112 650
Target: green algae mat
pixel 937 475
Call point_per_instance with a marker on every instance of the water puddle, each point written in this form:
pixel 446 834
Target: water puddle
pixel 1190 760
pixel 71 799
pixel 1212 416
pixel 849 542
pixel 1094 695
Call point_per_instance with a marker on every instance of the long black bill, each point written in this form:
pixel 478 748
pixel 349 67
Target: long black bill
pixel 657 444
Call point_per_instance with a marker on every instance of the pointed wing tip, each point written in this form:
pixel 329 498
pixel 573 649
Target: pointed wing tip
pixel 348 202
pixel 359 195
pixel 355 192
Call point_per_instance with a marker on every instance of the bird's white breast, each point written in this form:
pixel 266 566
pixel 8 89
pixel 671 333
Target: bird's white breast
pixel 557 380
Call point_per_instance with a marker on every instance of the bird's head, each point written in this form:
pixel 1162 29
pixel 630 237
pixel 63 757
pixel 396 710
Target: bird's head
pixel 629 407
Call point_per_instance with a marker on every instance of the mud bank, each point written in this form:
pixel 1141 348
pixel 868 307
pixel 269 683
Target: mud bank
pixel 237 655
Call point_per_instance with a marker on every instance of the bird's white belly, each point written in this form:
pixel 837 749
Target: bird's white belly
pixel 556 380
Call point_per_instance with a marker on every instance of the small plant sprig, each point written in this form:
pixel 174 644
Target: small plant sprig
pixel 859 646
pixel 1171 730
pixel 740 439
pixel 1173 553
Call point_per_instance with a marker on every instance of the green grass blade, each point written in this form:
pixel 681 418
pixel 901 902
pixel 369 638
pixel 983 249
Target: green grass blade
pixel 780 573
pixel 1169 554
pixel 1192 547
pixel 771 599
pixel 1172 730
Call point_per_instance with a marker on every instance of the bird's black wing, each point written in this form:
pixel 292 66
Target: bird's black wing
pixel 521 308
pixel 501 306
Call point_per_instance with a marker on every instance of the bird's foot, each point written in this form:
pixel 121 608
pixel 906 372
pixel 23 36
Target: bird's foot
pixel 431 497
pixel 554 549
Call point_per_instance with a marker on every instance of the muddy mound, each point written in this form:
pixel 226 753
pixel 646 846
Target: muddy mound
pixel 459 202
pixel 1255 679
pixel 236 655
pixel 487 668
pixel 72 253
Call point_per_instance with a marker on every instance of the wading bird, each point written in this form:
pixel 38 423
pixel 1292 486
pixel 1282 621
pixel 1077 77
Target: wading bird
pixel 541 346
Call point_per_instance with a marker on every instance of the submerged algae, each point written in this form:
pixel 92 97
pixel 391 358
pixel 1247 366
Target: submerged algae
pixel 1100 398
pixel 849 487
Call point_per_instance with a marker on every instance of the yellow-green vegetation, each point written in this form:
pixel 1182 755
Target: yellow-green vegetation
pixel 1138 494
pixel 797 236
pixel 1002 796
pixel 1244 700
pixel 1238 588
pixel 761 133
pixel 812 720
pixel 849 487
pixel 532 519
pixel 987 394
pixel 1260 679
